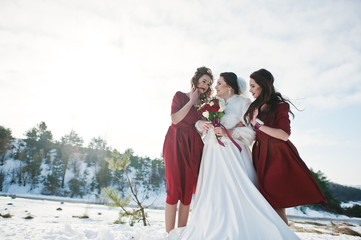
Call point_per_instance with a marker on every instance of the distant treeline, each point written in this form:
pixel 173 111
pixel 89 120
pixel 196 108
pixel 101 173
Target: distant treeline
pixel 335 194
pixel 344 193
pixel 66 167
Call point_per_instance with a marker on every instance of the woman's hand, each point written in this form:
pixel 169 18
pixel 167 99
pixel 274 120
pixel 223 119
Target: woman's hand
pixel 205 125
pixel 255 114
pixel 240 124
pixel 219 131
pixel 194 96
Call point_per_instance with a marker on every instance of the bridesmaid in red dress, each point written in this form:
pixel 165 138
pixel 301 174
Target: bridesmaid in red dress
pixel 283 178
pixel 182 149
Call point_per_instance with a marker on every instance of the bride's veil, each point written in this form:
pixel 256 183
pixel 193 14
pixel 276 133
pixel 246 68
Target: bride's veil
pixel 243 88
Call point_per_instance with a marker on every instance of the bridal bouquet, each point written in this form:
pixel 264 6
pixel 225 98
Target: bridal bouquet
pixel 212 110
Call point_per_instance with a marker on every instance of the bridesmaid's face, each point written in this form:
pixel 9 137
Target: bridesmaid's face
pixel 203 83
pixel 254 88
pixel 222 88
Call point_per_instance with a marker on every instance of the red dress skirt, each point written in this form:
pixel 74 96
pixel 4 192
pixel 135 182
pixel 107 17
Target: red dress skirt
pixel 182 152
pixel 283 178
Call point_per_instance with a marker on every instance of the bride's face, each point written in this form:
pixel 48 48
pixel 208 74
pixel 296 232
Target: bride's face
pixel 222 88
pixel 254 88
pixel 204 83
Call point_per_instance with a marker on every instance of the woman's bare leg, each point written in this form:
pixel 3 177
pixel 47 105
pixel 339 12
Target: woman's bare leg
pixel 170 212
pixel 183 213
pixel 282 213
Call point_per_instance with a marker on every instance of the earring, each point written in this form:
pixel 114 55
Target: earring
pixel 229 91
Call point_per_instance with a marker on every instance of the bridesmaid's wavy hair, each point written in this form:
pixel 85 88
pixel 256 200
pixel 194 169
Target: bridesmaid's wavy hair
pixel 197 75
pixel 268 95
pixel 231 79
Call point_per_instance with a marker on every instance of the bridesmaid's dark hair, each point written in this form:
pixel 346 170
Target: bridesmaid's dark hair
pixel 197 75
pixel 268 95
pixel 231 79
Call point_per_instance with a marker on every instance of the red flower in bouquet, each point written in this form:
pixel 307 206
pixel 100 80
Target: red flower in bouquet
pixel 212 109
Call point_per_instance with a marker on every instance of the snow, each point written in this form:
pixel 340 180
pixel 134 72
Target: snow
pixel 155 197
pixel 65 224
pixel 50 223
pixel 350 204
pixel 311 213
pixel 312 236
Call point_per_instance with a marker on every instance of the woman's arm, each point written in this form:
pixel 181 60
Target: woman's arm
pixel 274 132
pixel 178 116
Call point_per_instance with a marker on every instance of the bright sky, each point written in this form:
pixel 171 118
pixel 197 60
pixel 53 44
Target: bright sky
pixel 110 68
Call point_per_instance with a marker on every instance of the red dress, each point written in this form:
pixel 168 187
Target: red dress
pixel 283 178
pixel 182 152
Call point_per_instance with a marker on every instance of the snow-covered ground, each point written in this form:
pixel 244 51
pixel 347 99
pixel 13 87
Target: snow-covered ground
pixel 60 220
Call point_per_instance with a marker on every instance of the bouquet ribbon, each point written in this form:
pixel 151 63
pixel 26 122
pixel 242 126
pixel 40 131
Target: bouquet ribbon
pixel 216 123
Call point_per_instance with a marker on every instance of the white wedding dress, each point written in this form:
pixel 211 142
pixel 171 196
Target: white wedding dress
pixel 227 204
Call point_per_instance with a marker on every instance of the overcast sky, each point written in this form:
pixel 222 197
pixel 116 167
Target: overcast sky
pixel 110 68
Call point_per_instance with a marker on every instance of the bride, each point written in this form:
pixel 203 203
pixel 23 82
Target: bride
pixel 227 203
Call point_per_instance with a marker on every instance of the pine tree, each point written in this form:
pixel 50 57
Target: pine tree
pixel 120 162
pixel 158 173
pixel 70 144
pixel 52 182
pixel 354 211
pixel 332 204
pixel 31 140
pixel 45 138
pixel 19 172
pixel 102 176
pixel 117 201
pixel 5 138
pixel 39 138
pixel 98 152
pixel 33 167
pixel 2 177
pixel 77 187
